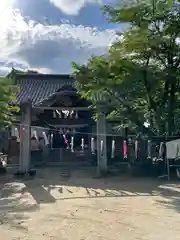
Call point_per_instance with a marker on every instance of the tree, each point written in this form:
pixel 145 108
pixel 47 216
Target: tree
pixel 7 98
pixel 140 74
pixel 155 27
pixel 118 82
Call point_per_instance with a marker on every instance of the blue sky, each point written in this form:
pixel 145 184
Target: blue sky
pixel 47 35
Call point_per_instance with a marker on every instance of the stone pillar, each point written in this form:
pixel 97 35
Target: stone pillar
pixel 25 132
pixel 101 137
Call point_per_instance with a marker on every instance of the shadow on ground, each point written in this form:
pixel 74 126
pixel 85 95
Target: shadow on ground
pixel 14 208
pixel 65 180
pixel 171 196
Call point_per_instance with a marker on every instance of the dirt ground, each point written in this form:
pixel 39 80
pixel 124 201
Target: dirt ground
pixel 74 205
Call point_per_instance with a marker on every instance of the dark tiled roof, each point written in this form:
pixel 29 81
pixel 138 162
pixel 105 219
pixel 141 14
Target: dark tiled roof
pixel 39 87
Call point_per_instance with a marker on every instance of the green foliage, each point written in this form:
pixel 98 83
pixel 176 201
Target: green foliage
pixel 138 81
pixel 7 96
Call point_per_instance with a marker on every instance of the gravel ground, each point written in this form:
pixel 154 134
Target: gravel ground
pixel 59 205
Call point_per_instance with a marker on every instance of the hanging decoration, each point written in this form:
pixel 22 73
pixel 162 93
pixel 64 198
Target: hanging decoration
pixel 66 141
pixel 12 131
pixel 92 146
pixel 82 144
pixel 35 135
pixel 45 138
pixel 17 134
pixel 51 139
pixel 149 148
pixel 125 149
pixel 60 116
pixel 54 114
pixel 113 149
pixel 76 116
pixel 71 114
pixel 161 148
pixel 32 132
pixel 58 113
pixel 66 113
pixel 72 144
pixel 136 148
pixel 101 147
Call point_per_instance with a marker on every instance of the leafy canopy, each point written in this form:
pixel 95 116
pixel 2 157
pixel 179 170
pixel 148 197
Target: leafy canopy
pixel 7 96
pixel 138 80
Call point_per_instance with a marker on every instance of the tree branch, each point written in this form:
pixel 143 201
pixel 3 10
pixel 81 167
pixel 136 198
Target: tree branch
pixel 133 114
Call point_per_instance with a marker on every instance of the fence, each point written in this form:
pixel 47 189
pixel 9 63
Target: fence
pixel 81 147
pixel 119 149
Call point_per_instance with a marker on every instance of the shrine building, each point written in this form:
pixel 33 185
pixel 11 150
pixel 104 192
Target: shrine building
pixel 50 103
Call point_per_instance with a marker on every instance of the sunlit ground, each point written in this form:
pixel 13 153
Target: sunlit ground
pixel 57 205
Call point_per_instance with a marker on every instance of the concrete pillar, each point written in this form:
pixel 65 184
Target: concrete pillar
pixel 24 163
pixel 101 138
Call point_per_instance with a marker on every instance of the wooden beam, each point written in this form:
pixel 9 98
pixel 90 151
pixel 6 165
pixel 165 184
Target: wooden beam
pixel 69 126
pixel 63 108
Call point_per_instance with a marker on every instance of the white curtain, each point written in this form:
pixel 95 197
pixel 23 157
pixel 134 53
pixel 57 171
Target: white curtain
pixel 172 149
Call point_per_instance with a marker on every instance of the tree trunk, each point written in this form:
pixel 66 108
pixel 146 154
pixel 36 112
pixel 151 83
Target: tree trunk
pixel 171 107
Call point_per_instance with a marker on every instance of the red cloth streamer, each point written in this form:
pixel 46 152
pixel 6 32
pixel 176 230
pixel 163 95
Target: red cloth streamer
pixel 65 139
pixel 125 149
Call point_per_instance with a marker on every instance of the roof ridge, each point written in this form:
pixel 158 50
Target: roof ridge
pixel 40 76
pixel 34 74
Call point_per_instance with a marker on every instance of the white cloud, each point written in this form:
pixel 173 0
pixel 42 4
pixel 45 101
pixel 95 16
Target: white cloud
pixel 72 7
pixel 50 48
pixel 4 70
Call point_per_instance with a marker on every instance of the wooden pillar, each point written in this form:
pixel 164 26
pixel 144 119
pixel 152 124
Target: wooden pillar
pixel 25 132
pixel 101 138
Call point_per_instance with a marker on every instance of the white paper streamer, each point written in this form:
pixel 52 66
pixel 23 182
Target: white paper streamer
pixel 51 137
pixel 161 150
pixel 113 149
pixel 136 148
pixel 65 113
pixel 82 144
pixel 35 135
pixel 71 114
pixel 72 144
pixel 12 132
pixel 45 139
pixel 92 146
pixel 76 116
pixel 101 148
pixel 32 132
pixel 54 114
pixel 17 134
